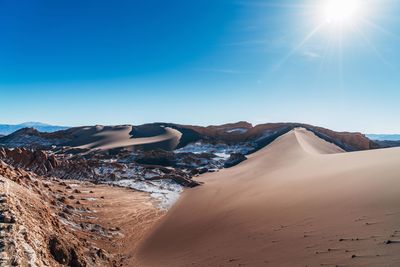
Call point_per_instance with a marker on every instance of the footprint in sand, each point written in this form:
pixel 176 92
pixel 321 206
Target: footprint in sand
pixel 361 219
pixel 387 242
pixel 371 223
pixel 392 213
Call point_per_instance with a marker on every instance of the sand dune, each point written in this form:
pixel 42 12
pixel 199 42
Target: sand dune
pixel 297 202
pixel 106 138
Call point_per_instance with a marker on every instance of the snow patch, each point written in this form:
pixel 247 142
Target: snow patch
pixel 237 131
pixel 165 191
pixel 220 150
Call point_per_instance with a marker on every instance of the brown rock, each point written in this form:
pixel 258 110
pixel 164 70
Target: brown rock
pixel 59 250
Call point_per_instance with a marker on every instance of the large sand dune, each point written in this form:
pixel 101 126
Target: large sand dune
pixel 102 138
pixel 297 202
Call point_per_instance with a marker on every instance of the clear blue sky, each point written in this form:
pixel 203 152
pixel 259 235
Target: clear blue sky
pixel 74 62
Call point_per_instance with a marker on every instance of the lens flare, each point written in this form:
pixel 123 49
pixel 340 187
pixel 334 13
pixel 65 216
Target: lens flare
pixel 341 11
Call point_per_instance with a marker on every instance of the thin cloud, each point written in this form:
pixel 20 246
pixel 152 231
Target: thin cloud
pixel 226 71
pixel 250 42
pixel 271 5
pixel 311 55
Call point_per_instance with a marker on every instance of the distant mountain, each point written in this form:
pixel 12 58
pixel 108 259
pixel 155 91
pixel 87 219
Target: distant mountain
pixel 384 137
pixel 6 129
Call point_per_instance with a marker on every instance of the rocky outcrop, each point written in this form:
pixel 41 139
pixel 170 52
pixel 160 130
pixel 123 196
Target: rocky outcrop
pixel 156 157
pixel 387 143
pixel 179 177
pixel 40 225
pixel 45 164
pixel 345 140
pixel 28 221
pixel 229 133
pixel 234 160
pixel 31 160
pixel 64 253
pixel 32 138
pixel 97 169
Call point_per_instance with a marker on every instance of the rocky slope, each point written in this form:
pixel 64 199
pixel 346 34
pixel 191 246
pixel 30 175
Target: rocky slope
pixel 164 183
pixel 49 222
pixel 36 161
pixel 32 138
pixel 387 143
pixel 32 235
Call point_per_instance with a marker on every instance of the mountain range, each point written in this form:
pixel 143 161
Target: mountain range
pixel 384 137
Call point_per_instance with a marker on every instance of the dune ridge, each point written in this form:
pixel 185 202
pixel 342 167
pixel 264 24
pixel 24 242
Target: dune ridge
pixel 120 137
pixel 299 201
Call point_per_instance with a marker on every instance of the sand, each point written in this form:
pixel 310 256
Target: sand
pixel 119 137
pixel 298 202
pixel 130 211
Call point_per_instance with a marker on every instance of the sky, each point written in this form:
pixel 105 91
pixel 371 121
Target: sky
pixel 72 62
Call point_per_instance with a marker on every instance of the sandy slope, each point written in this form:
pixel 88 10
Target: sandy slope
pixel 105 138
pixel 296 202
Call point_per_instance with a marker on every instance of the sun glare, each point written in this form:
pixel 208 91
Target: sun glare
pixel 341 11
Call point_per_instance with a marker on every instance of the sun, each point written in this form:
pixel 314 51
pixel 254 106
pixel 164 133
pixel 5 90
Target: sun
pixel 341 12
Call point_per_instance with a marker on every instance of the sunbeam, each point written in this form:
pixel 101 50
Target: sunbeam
pixel 381 29
pixel 336 20
pixel 373 48
pixel 298 46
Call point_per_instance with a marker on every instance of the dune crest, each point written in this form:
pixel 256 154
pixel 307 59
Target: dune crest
pixel 120 137
pixel 298 201
pixel 314 145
